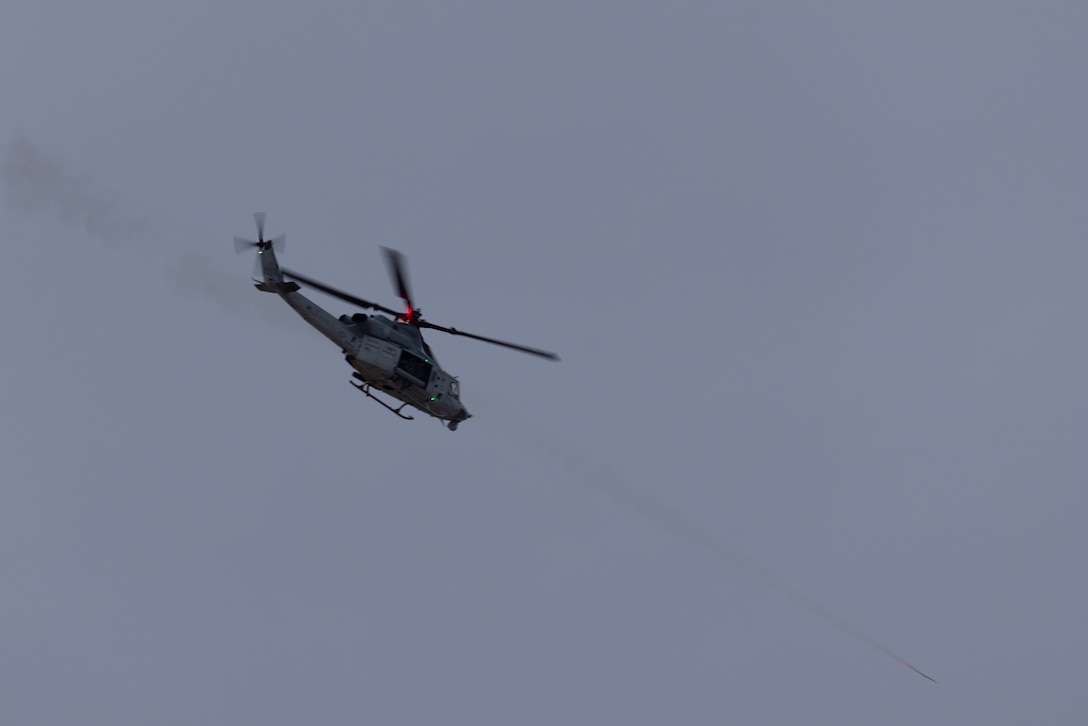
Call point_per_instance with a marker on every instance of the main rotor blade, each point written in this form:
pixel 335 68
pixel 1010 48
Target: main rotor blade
pixel 398 271
pixel 346 297
pixel 493 341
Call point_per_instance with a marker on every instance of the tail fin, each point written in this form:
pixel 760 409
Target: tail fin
pixel 272 277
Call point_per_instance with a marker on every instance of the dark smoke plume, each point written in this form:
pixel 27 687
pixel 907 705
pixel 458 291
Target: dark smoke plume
pixel 36 184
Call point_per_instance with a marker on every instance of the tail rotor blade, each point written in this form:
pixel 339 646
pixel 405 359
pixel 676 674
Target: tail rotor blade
pixel 258 217
pixel 241 244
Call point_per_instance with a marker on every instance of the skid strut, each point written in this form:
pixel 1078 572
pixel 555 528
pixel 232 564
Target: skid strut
pixel 364 388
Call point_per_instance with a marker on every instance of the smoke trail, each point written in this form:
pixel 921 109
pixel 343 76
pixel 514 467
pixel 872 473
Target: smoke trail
pixel 36 183
pixel 611 484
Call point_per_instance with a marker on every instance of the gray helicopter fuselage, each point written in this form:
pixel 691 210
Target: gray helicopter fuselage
pixel 388 355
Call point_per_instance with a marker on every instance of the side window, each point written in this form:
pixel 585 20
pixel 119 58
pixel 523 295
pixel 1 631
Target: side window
pixel 415 367
pixel 454 389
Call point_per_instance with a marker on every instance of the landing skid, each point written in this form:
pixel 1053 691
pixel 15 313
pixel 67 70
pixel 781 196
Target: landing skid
pixel 364 388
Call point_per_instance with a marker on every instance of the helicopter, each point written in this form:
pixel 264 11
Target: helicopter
pixel 388 354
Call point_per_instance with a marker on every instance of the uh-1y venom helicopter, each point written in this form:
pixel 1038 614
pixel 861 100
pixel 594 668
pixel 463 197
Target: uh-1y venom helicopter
pixel 388 355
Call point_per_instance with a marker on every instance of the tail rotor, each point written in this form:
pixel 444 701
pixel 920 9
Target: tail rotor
pixel 278 243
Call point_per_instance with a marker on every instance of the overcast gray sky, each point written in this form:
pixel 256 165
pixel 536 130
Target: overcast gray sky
pixel 817 272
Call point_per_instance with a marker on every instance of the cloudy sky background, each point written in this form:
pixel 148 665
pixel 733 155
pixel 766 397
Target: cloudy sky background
pixel 817 274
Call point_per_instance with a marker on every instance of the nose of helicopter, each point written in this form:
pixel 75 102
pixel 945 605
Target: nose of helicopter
pixel 458 418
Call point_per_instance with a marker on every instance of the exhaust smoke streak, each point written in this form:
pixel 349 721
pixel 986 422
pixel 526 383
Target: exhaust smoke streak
pixel 623 494
pixel 35 183
pixel 38 184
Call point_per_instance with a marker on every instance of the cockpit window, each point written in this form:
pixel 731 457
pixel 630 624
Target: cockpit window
pixel 454 389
